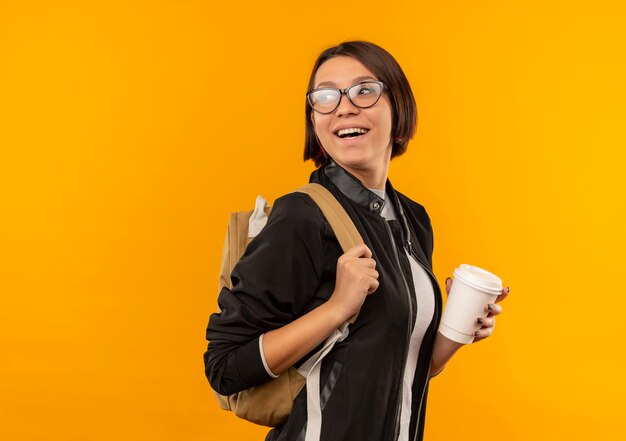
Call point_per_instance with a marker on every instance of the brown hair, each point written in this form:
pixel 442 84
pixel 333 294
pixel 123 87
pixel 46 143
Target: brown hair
pixel 382 64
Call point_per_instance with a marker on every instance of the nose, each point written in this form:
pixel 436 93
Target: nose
pixel 345 106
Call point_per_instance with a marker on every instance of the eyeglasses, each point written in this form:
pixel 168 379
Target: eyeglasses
pixel 363 95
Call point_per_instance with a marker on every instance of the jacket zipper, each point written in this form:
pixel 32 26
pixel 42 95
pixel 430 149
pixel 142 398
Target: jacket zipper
pixel 410 251
pixel 434 279
pixel 408 337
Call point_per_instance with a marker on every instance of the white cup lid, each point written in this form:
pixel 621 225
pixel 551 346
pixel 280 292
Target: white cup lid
pixel 479 278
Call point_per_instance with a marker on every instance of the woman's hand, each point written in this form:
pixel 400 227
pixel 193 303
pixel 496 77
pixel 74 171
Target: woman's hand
pixel 356 279
pixel 488 323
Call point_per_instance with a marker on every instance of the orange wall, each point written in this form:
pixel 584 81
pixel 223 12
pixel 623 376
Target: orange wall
pixel 130 129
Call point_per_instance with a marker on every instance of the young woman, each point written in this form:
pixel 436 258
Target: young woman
pixel 294 286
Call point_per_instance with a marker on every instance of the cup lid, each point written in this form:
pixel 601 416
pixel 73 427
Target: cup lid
pixel 479 278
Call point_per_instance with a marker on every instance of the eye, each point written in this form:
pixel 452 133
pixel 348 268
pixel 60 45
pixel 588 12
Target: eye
pixel 364 89
pixel 325 96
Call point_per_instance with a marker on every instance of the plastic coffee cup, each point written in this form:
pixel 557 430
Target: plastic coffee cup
pixel 472 289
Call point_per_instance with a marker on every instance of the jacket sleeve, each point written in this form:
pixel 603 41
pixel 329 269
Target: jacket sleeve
pixel 273 282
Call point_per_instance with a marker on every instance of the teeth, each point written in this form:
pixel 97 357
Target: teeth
pixel 351 130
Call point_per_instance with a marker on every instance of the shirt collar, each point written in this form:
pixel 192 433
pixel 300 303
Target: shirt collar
pixel 353 189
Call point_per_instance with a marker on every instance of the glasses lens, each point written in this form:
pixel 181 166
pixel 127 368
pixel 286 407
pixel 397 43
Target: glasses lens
pixel 365 94
pixel 324 100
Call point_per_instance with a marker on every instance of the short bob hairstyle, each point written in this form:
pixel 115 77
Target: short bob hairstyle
pixel 382 64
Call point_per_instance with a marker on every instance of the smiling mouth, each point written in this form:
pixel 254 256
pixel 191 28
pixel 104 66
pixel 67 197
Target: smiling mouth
pixel 351 133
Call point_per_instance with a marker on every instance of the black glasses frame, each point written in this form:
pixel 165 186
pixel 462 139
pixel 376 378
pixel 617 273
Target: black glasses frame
pixel 345 91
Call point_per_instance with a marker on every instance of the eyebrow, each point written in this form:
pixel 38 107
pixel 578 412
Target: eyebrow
pixel 356 80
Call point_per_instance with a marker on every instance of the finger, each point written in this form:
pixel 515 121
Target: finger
pixel 504 295
pixel 360 250
pixel 448 285
pixel 483 332
pixel 371 273
pixel 501 297
pixel 366 262
pixel 486 322
pixel 373 287
pixel 493 309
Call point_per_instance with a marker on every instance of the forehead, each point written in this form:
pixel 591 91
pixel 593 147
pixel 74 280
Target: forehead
pixel 341 72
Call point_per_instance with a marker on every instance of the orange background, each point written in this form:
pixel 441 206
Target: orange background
pixel 130 129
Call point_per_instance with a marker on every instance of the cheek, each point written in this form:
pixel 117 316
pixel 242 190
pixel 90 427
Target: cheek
pixel 385 124
pixel 387 115
pixel 320 125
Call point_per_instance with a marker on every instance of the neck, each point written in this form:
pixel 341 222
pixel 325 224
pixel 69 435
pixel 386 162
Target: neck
pixel 375 179
pixel 371 176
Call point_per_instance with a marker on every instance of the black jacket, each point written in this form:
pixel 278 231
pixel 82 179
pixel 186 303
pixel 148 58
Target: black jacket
pixel 289 269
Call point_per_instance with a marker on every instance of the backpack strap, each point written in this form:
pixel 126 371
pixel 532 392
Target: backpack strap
pixel 347 234
pixel 348 237
pixel 343 227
